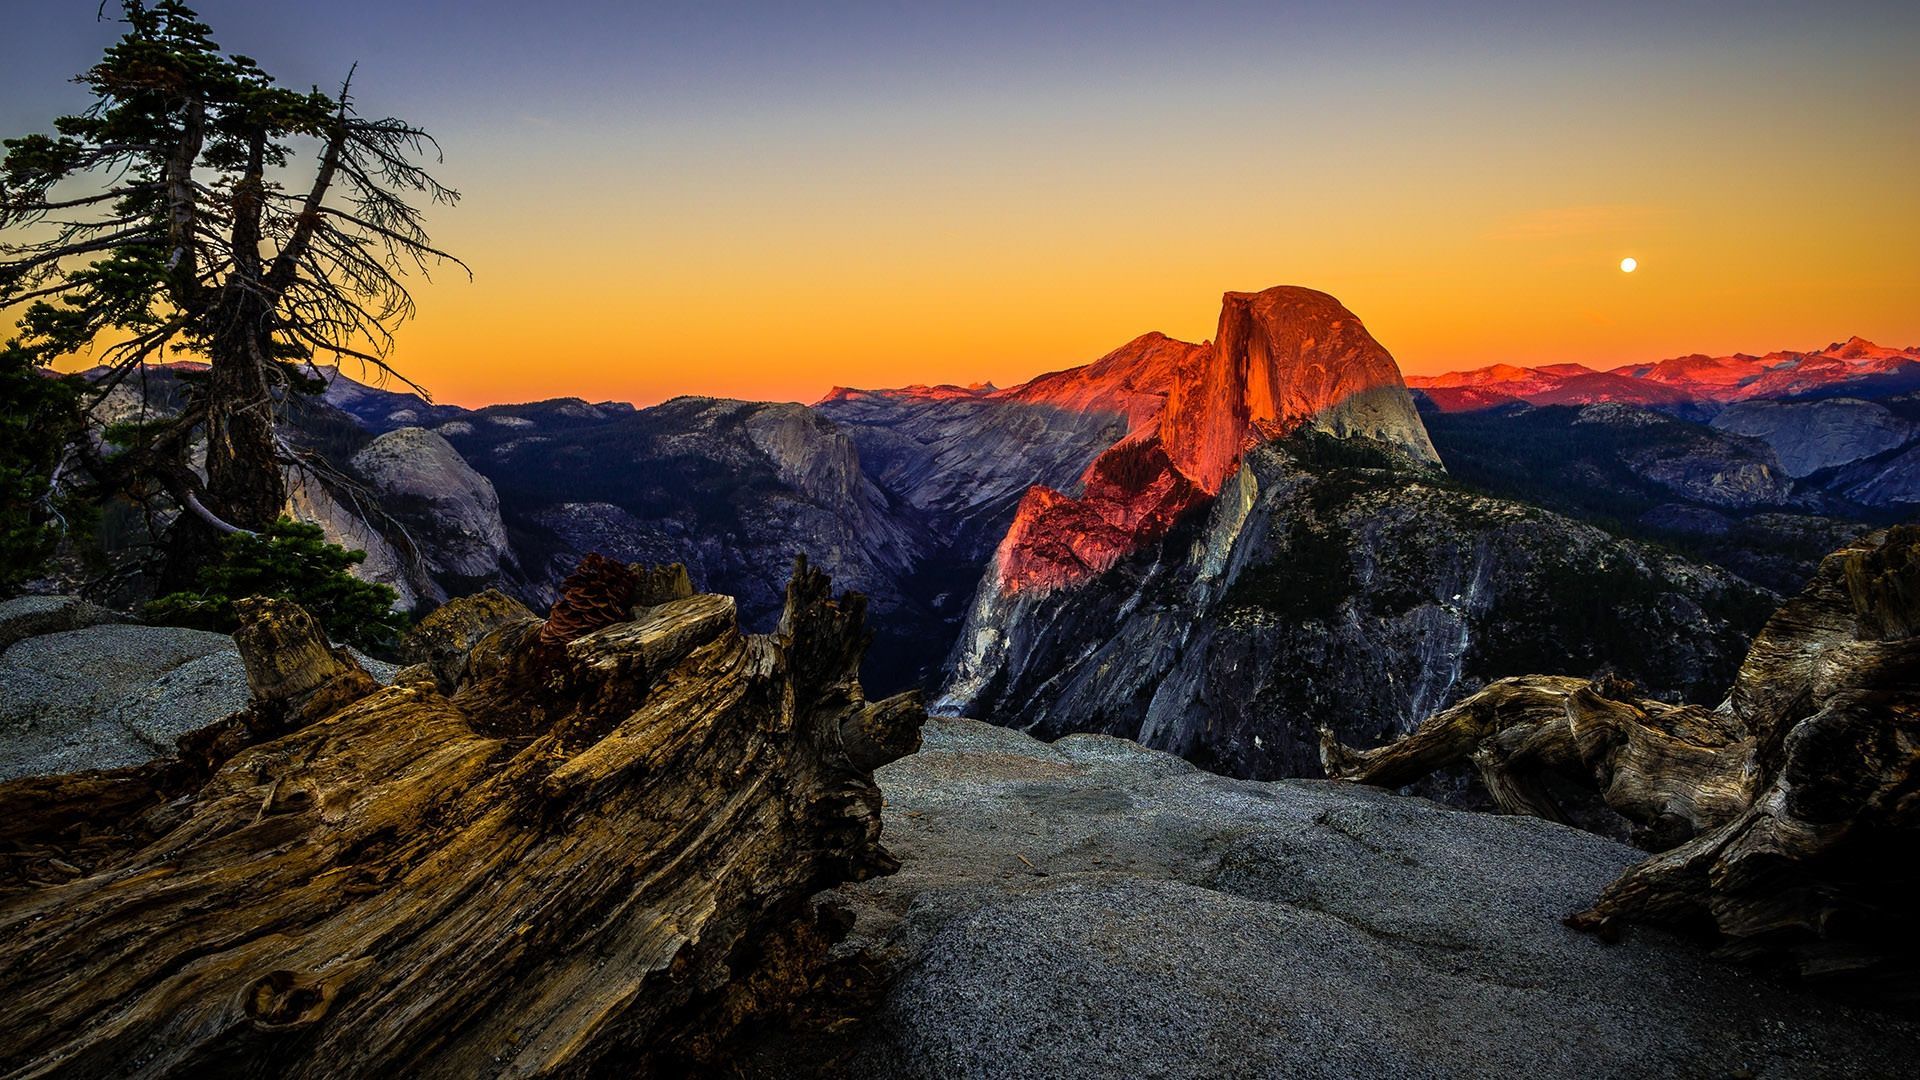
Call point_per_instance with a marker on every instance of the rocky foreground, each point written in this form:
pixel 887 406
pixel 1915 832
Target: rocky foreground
pixel 1090 907
pixel 1785 819
pixel 539 852
pixel 550 847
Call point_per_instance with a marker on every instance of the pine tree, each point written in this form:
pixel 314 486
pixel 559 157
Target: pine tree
pixel 291 560
pixel 155 222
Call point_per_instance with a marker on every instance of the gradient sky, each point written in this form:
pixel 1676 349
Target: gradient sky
pixel 765 200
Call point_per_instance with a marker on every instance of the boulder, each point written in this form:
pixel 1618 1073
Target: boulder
pixel 31 616
pixel 108 696
pixel 111 694
pixel 450 510
pixel 1092 908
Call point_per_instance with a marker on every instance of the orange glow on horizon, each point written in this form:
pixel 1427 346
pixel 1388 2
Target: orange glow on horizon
pixel 818 289
pixel 800 315
pixel 1002 214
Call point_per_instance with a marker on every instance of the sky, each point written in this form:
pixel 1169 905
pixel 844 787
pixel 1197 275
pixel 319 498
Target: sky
pixel 765 200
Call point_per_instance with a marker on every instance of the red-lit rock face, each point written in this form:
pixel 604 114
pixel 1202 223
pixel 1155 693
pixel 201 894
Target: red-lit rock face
pixel 1283 358
pixel 1133 495
pixel 1551 384
pixel 1133 379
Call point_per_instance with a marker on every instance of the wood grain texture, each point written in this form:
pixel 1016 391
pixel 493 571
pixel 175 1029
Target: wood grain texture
pixel 595 853
pixel 1787 820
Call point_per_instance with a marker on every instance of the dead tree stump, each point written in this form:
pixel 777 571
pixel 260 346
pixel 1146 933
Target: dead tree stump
pixel 596 852
pixel 1788 819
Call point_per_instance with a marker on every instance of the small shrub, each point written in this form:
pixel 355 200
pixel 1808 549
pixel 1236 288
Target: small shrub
pixel 289 559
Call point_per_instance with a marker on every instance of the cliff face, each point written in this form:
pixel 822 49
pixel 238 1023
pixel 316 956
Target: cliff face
pixel 732 489
pixel 1339 581
pixel 1284 359
pixel 1813 435
pixel 965 457
pixel 1132 495
pixel 1283 548
pixel 1867 452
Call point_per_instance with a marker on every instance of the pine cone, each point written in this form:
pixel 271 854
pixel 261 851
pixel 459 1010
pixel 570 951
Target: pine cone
pixel 598 594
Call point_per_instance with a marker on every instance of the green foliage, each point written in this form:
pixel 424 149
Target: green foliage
pixel 39 417
pixel 1314 575
pixel 158 220
pixel 1132 466
pixel 131 433
pixel 1308 581
pixel 182 153
pixel 1544 457
pixel 1320 452
pixel 164 89
pixel 289 559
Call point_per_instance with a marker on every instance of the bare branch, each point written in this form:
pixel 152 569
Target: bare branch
pixel 220 524
pixel 411 243
pixel 284 264
pixel 7 209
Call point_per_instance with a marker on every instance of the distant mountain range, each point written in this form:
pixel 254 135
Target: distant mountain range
pixel 1212 547
pixel 1842 423
pixel 1855 367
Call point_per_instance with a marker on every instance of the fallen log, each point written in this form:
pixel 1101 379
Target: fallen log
pixel 1538 742
pixel 1787 820
pixel 595 853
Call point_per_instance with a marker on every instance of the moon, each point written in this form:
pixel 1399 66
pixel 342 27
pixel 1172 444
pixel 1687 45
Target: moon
pixel 1628 265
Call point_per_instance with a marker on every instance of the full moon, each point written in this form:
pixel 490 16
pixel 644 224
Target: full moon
pixel 1628 265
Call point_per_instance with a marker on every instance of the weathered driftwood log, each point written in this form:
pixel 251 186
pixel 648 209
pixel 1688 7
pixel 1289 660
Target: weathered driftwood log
pixel 1537 740
pixel 595 854
pixel 51 827
pixel 1795 805
pixel 446 638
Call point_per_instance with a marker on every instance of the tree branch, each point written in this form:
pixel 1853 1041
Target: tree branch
pixel 287 261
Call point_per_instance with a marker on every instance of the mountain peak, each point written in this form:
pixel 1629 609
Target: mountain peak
pixel 1284 358
pixel 913 392
pixel 1132 381
pixel 1859 348
pixel 1856 365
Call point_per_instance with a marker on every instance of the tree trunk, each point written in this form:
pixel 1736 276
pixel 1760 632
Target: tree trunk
pixel 243 460
pixel 1571 751
pixel 246 487
pixel 1795 806
pixel 596 854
